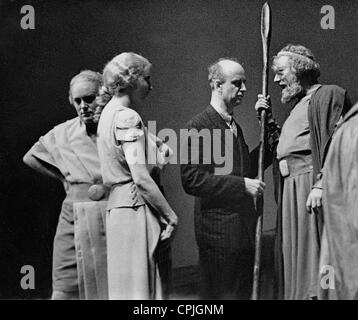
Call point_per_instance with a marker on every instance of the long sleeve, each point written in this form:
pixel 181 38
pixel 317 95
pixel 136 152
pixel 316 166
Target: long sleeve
pixel 273 131
pixel 199 178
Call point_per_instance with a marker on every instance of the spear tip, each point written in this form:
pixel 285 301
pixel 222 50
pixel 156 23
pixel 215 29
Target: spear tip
pixel 266 20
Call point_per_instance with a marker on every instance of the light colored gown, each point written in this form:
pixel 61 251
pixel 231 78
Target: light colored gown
pixel 300 234
pixel 132 227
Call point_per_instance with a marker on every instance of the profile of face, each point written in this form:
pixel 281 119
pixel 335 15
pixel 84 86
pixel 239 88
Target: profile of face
pixel 233 88
pixel 83 95
pixel 141 87
pixel 286 78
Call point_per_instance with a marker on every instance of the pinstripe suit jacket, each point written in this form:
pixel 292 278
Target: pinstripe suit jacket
pixel 225 216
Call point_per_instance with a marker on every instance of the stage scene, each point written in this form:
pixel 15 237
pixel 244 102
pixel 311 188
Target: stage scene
pixel 168 150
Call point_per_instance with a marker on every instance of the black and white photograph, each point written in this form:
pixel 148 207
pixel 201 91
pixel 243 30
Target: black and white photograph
pixel 179 150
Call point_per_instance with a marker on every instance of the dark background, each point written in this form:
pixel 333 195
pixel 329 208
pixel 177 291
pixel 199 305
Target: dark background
pixel 180 38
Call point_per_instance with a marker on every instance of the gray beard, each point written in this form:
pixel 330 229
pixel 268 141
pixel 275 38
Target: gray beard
pixel 291 92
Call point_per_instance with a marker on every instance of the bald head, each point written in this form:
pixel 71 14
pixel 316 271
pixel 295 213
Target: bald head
pixel 221 69
pixel 229 67
pixel 227 81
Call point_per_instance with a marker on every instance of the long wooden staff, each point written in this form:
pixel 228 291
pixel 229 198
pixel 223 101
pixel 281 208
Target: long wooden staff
pixel 266 37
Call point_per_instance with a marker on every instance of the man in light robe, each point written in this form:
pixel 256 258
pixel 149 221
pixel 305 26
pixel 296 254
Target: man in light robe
pixel 301 152
pixel 68 152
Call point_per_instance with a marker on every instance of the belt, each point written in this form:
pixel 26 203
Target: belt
pixel 124 195
pixel 87 192
pixel 295 165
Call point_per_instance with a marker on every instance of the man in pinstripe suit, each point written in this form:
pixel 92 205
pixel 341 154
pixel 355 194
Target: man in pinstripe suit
pixel 226 219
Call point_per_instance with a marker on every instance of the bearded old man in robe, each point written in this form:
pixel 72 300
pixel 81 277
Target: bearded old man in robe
pixel 68 152
pixel 300 155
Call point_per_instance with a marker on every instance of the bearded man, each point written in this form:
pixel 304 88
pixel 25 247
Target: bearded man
pixel 300 154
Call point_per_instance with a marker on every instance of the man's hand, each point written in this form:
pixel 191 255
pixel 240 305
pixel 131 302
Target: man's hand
pixel 264 103
pixel 254 186
pixel 314 200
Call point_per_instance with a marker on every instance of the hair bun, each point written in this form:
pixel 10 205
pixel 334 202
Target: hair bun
pixel 123 70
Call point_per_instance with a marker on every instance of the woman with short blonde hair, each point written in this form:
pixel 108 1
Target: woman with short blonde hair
pixel 138 216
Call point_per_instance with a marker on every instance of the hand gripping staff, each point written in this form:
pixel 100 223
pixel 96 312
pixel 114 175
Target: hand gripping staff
pixel 266 37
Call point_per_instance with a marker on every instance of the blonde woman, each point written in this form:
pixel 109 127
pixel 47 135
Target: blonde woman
pixel 138 216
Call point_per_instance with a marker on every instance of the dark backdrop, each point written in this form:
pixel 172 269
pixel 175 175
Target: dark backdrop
pixel 180 38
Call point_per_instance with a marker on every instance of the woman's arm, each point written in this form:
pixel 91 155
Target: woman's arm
pixel 135 156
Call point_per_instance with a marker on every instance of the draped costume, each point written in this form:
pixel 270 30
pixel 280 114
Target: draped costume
pixel 79 255
pixel 302 149
pixel 340 203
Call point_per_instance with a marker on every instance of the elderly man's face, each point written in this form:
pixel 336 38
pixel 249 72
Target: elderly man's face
pixel 84 100
pixel 233 89
pixel 286 78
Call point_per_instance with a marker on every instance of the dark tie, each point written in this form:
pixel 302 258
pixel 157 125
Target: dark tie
pixel 233 126
pixel 228 118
